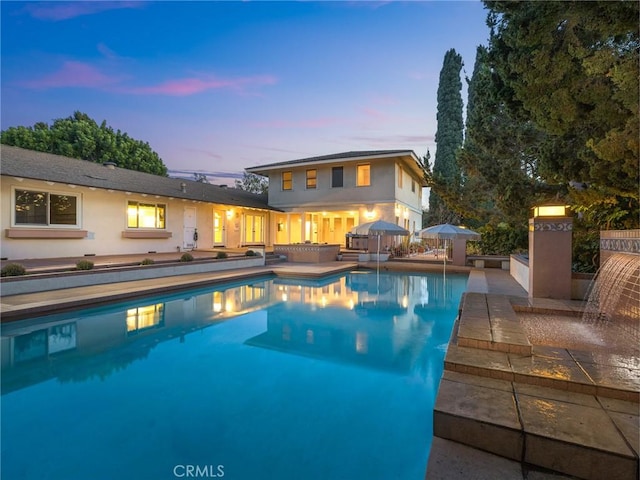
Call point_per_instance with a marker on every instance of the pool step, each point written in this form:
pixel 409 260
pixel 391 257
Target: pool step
pixel 489 322
pixel 547 367
pixel 576 434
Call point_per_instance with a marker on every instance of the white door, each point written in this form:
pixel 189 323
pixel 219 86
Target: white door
pixel 189 241
pixel 219 228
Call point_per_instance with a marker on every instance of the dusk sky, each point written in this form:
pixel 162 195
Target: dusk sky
pixel 219 86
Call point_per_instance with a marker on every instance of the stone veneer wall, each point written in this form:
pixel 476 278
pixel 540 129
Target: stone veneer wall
pixel 618 241
pixel 308 252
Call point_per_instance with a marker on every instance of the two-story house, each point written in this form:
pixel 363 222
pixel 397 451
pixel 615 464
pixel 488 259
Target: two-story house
pixel 55 206
pixel 323 198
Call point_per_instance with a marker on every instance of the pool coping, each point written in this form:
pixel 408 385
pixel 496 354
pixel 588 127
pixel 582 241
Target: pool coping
pixel 23 306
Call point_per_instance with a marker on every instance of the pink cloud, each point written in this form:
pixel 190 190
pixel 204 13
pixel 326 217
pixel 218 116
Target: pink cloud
pixel 204 152
pixel 384 100
pixel 73 74
pixel 190 86
pixel 395 139
pixel 309 123
pixel 374 113
pixel 56 11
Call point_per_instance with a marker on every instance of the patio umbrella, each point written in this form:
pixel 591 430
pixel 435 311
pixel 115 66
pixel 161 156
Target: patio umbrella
pixel 445 232
pixel 379 227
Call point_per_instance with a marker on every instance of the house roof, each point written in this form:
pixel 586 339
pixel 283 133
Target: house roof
pixel 364 155
pixel 22 163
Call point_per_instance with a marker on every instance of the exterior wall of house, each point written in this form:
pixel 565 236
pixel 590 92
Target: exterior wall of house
pixel 325 214
pixel 324 195
pixel 102 225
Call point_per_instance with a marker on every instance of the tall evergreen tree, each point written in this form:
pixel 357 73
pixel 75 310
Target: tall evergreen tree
pixel 446 173
pixel 499 159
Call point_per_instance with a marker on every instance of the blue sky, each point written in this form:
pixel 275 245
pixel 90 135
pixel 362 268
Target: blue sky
pixel 220 86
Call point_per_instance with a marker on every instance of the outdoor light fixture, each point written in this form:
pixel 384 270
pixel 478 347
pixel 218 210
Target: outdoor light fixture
pixel 229 214
pixel 550 210
pixel 369 214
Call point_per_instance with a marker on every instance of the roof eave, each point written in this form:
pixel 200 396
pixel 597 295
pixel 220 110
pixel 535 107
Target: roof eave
pixel 264 169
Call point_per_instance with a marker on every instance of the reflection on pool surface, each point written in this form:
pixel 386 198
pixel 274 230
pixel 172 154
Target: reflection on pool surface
pixel 273 379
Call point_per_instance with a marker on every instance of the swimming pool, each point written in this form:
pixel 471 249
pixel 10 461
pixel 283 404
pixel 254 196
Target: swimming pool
pixel 270 379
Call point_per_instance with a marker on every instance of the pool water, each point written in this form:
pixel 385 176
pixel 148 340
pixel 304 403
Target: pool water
pixel 270 379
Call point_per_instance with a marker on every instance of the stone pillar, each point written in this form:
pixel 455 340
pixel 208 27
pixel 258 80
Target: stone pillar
pixel 459 252
pixel 550 257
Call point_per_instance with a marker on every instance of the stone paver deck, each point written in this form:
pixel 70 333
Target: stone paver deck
pixel 550 408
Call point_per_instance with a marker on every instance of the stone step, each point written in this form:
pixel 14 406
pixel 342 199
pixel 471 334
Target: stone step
pixel 548 367
pixel 489 322
pixel 576 434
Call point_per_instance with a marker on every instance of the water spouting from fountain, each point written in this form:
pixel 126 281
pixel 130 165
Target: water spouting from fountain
pixel 614 298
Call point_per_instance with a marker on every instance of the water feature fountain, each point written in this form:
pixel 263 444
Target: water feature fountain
pixel 614 298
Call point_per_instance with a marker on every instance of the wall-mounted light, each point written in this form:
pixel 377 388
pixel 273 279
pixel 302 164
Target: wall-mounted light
pixel 550 210
pixel 369 214
pixel 229 214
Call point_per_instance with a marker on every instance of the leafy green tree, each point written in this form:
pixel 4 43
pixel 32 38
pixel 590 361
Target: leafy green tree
pixel 445 176
pixel 253 183
pixel 78 136
pixel 573 67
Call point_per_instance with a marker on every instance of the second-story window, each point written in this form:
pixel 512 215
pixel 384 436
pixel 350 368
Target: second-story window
pixel 399 176
pixel 413 186
pixel 311 178
pixel 287 180
pixel 337 177
pixel 363 175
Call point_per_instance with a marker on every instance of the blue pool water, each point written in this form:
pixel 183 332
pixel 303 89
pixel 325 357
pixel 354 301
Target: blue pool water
pixel 270 379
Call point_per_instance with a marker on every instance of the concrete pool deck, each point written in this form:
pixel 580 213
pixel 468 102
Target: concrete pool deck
pixel 501 413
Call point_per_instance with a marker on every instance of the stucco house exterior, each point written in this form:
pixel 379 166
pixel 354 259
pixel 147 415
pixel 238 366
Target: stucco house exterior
pixel 55 206
pixel 322 198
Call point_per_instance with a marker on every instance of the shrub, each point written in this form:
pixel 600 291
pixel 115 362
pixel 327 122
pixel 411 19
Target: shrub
pixel 13 270
pixel 251 253
pixel 221 255
pixel 186 257
pixel 147 261
pixel 502 239
pixel 84 265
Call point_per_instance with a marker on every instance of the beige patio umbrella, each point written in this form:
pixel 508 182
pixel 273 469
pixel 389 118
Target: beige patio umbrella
pixel 379 228
pixel 446 231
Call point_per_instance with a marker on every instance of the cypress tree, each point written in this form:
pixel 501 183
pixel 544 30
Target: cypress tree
pixel 449 134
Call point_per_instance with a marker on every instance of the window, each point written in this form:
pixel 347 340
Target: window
pixel 413 186
pixel 44 208
pixel 311 178
pixel 337 177
pixel 399 176
pixel 146 215
pixel 287 180
pixel 363 175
